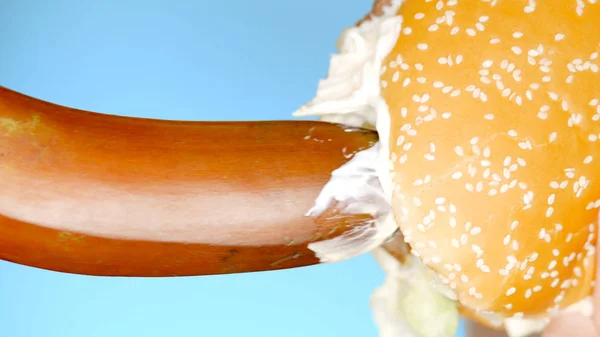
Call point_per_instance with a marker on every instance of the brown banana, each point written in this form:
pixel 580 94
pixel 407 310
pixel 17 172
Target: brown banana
pixel 98 194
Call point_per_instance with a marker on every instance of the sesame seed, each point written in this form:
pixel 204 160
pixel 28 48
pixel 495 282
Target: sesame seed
pixel 533 257
pixel 487 63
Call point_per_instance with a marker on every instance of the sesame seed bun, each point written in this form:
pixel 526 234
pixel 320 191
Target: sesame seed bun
pixel 494 129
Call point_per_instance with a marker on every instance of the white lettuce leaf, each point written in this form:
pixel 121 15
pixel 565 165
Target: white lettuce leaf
pixel 409 303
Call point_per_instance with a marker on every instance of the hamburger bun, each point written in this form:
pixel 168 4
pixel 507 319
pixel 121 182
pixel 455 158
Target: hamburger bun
pixel 493 142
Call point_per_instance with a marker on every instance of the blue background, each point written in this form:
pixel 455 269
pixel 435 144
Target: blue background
pixel 192 60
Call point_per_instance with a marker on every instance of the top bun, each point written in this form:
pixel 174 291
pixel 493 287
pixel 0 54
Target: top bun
pixel 495 148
